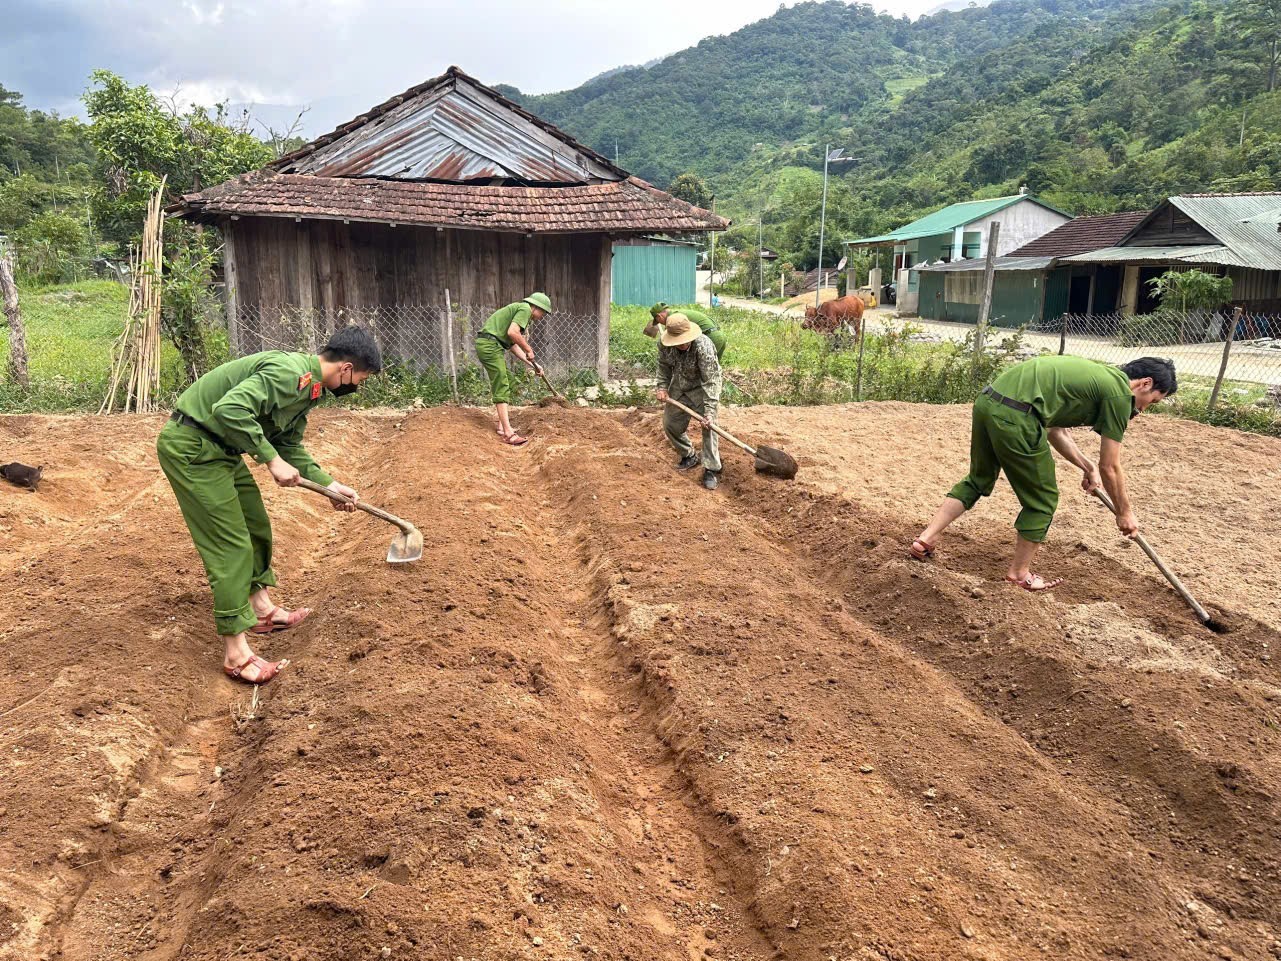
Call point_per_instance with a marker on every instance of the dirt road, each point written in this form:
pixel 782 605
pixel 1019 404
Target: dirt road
pixel 614 716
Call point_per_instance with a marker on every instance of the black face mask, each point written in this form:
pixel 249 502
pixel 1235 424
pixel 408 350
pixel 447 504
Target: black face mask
pixel 342 390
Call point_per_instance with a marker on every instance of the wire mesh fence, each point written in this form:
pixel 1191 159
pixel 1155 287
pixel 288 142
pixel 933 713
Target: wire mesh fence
pixel 419 337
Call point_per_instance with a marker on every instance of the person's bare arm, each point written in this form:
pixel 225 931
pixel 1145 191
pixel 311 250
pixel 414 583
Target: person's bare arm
pixel 1114 482
pixel 1061 440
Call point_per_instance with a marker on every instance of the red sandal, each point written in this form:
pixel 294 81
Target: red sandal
pixel 266 670
pixel 515 440
pixel 921 550
pixel 1029 583
pixel 266 624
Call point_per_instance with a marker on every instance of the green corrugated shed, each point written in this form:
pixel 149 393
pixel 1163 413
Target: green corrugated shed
pixel 1016 299
pixel 646 274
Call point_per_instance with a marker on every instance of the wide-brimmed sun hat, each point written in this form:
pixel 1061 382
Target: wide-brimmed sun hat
pixel 541 301
pixel 678 330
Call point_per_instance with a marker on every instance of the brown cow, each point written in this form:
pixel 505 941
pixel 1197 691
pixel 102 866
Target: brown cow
pixel 844 312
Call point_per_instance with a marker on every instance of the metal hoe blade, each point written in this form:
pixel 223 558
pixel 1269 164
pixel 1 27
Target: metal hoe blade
pixel 779 463
pixel 405 547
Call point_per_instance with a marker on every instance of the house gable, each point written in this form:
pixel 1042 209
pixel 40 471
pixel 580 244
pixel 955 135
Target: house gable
pixel 452 129
pixel 1168 226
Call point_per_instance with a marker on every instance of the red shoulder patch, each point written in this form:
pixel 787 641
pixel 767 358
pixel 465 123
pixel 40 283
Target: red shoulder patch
pixel 304 381
pixel 315 390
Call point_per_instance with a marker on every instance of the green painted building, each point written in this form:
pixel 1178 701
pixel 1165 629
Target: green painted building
pixel 652 269
pixel 959 233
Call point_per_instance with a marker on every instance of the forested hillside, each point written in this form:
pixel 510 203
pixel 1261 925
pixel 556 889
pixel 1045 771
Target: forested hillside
pixel 1097 105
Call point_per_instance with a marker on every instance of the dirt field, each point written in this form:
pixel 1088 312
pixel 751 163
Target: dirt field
pixel 614 716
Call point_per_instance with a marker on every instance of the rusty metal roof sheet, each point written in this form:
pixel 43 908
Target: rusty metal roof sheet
pixel 451 128
pixel 628 206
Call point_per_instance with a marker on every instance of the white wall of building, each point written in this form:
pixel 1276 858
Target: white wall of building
pixel 1021 223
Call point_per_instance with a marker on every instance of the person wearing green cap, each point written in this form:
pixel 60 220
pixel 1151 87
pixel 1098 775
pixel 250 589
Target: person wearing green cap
pixel 504 331
pixel 660 313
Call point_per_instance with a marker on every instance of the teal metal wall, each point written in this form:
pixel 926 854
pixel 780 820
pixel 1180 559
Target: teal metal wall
pixel 648 274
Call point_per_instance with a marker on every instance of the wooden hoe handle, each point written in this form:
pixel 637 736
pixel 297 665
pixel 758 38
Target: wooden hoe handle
pixel 1160 564
pixel 724 433
pixel 367 508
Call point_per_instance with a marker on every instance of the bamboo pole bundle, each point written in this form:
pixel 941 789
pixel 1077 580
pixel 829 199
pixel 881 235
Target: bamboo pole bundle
pixel 136 357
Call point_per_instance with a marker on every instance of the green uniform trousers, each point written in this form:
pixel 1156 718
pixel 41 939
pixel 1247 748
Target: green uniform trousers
pixel 1002 439
pixel 676 423
pixel 493 357
pixel 717 337
pixel 224 512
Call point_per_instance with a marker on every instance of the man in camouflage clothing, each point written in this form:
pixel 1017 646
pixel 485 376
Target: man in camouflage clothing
pixel 689 372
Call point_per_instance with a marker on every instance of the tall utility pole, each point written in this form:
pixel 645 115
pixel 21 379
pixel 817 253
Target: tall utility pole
pixel 711 265
pixel 760 249
pixel 829 156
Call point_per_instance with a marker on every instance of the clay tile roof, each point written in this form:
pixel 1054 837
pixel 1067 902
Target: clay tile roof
pixel 1082 235
pixel 625 206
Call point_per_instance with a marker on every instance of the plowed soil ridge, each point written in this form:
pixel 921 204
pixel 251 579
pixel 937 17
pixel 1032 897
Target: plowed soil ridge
pixel 614 716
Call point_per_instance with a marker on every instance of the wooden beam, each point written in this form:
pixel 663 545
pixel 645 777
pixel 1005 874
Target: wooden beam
pixel 231 281
pixel 606 281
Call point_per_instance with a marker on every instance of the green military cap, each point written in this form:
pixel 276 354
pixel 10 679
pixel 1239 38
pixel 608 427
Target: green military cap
pixel 541 301
pixel 657 309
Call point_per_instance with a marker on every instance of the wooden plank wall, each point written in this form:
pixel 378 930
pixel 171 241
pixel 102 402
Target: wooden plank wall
pixel 327 265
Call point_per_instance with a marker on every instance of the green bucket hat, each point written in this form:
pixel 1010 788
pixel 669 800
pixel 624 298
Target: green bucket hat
pixel 541 301
pixel 657 309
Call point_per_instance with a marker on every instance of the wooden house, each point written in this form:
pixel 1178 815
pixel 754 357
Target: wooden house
pixel 447 186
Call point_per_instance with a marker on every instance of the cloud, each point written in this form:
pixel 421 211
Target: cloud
pixel 342 56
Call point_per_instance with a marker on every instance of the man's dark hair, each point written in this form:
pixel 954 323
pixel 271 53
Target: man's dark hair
pixel 1160 369
pixel 356 346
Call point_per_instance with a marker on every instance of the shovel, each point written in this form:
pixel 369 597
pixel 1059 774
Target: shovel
pixel 769 460
pixel 1202 614
pixel 557 397
pixel 405 547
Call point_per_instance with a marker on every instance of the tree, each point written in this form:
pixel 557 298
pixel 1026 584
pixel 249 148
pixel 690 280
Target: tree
pixel 1187 290
pixel 139 140
pixel 690 188
pixel 1259 21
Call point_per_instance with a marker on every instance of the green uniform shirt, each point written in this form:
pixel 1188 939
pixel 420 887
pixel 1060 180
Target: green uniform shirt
pixel 704 322
pixel 1072 392
pixel 258 405
pixel 501 320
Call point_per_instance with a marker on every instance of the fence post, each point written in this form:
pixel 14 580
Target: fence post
pixel 13 318
pixel 1063 322
pixel 858 384
pixel 1223 364
pixel 449 345
pixel 989 274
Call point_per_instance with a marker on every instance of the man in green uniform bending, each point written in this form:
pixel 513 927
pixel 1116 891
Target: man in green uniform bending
pixel 660 313
pixel 1027 410
pixel 689 372
pixel 258 406
pixel 504 331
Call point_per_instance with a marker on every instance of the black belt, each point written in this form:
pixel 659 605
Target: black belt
pixel 1018 405
pixel 194 424
pixel 491 336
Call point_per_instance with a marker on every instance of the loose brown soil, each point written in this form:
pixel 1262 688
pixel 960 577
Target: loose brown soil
pixel 614 716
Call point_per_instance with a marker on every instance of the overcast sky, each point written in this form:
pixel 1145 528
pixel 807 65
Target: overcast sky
pixel 342 56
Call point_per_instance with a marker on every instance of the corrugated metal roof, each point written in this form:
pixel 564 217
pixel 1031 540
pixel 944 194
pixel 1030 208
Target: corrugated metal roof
pixel 951 217
pixel 1229 217
pixel 454 131
pixel 1122 255
pixel 1000 264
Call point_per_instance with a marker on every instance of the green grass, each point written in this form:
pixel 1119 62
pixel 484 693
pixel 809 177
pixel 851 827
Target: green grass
pixel 70 332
